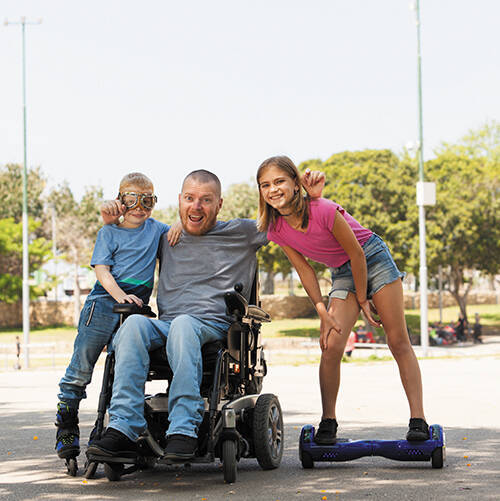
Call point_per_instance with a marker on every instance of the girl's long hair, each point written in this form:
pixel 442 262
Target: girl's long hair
pixel 300 205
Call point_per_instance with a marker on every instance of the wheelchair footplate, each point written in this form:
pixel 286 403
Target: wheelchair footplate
pixel 433 449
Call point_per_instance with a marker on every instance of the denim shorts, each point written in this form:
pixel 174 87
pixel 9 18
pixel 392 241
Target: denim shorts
pixel 382 270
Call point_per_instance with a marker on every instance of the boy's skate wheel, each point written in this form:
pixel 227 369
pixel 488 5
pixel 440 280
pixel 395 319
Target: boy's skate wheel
pixel 90 469
pixel 113 471
pixel 72 466
pixel 229 461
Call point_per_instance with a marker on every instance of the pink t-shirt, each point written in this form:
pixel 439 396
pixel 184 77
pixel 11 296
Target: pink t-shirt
pixel 318 242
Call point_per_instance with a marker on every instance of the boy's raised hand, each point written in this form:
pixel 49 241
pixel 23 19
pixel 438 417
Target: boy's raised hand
pixel 174 233
pixel 313 182
pixel 111 210
pixel 131 298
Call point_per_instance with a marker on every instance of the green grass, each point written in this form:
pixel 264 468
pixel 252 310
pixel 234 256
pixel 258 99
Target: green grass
pixel 309 327
pixel 40 335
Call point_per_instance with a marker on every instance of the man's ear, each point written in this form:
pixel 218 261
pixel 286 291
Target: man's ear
pixel 220 205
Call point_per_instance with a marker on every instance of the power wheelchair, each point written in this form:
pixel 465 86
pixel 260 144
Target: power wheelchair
pixel 238 422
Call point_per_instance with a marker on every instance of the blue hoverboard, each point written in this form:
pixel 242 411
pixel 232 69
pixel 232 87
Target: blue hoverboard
pixel 433 450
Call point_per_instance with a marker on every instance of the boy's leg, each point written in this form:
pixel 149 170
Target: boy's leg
pixel 96 325
pixel 185 339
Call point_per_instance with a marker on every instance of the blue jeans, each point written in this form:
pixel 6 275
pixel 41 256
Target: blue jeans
pixel 381 270
pixel 95 329
pixel 183 336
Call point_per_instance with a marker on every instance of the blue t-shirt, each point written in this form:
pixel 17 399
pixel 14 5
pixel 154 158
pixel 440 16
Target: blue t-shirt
pixel 131 255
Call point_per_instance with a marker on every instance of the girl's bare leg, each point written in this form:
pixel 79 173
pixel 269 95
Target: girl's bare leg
pixel 345 312
pixel 390 307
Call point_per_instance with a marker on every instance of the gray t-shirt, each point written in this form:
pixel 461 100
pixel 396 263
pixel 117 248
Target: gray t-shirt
pixel 195 273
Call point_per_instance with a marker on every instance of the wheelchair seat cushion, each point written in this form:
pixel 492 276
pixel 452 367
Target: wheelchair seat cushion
pixel 159 368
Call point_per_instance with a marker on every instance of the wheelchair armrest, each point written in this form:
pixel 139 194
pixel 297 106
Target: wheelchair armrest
pixel 132 309
pixel 258 314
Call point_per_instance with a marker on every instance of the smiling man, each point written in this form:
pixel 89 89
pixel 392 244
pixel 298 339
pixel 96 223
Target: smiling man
pixel 194 275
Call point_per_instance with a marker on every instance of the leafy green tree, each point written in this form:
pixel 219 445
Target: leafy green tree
pixel 11 193
pixel 11 248
pixel 464 230
pixel 77 225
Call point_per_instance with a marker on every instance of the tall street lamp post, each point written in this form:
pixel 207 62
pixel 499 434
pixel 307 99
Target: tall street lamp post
pixel 426 195
pixel 26 290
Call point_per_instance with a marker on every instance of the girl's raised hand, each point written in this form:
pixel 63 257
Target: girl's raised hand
pixel 174 233
pixel 313 182
pixel 327 325
pixel 369 310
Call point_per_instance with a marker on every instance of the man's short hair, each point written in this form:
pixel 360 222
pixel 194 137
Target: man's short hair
pixel 136 179
pixel 204 176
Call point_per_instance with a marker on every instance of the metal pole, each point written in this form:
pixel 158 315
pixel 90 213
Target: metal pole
pixel 424 324
pixel 26 288
pixel 54 249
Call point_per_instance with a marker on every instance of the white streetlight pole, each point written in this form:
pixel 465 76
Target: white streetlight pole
pixel 26 288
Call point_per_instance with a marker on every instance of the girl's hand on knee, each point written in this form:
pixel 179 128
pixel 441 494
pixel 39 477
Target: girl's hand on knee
pixel 369 310
pixel 328 325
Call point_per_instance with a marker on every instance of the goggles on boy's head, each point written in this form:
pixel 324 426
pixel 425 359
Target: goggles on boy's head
pixel 131 200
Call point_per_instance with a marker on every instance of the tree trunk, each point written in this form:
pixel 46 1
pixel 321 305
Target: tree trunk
pixel 456 280
pixel 268 286
pixel 76 296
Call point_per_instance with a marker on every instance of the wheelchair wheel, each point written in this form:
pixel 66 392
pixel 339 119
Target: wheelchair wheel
pixel 113 471
pixel 229 461
pixel 268 434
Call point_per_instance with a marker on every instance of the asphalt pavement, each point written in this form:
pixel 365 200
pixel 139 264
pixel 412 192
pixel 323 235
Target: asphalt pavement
pixel 461 393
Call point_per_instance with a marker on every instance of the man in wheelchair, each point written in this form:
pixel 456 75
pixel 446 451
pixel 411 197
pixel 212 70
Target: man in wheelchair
pixel 194 310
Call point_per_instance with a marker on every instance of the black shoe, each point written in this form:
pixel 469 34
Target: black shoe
pixel 418 430
pixel 180 447
pixel 327 432
pixel 113 443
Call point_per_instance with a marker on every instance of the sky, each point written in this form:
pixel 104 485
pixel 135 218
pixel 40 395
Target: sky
pixel 165 87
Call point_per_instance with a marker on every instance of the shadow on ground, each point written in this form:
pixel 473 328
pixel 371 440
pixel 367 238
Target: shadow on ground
pixel 29 469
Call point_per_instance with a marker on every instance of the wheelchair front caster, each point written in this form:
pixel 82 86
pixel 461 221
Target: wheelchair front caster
pixel 113 471
pixel 72 466
pixel 229 461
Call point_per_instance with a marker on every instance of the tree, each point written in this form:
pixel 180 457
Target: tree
pixel 11 192
pixel 77 227
pixel 11 248
pixel 464 230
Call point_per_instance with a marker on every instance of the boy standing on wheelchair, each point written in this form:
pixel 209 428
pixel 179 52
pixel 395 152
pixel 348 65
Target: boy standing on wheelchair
pixel 124 260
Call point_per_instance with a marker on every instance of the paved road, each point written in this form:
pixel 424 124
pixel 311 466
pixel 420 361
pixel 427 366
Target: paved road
pixel 462 394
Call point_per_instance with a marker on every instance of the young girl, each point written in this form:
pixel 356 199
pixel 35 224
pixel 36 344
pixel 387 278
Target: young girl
pixel 362 269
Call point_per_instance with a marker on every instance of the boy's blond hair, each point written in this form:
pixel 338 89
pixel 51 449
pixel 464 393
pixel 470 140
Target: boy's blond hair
pixel 136 179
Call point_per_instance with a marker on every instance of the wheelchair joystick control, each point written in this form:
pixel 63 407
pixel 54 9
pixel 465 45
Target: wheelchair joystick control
pixel 238 287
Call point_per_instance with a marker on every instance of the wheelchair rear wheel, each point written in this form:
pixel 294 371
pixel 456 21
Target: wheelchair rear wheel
pixel 229 461
pixel 268 431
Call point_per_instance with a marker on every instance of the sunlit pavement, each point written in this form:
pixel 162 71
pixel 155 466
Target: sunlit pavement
pixel 462 394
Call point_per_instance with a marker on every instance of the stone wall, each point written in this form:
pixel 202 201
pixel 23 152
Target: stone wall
pixel 42 313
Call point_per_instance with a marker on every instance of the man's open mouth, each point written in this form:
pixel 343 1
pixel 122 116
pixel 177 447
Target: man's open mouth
pixel 195 219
